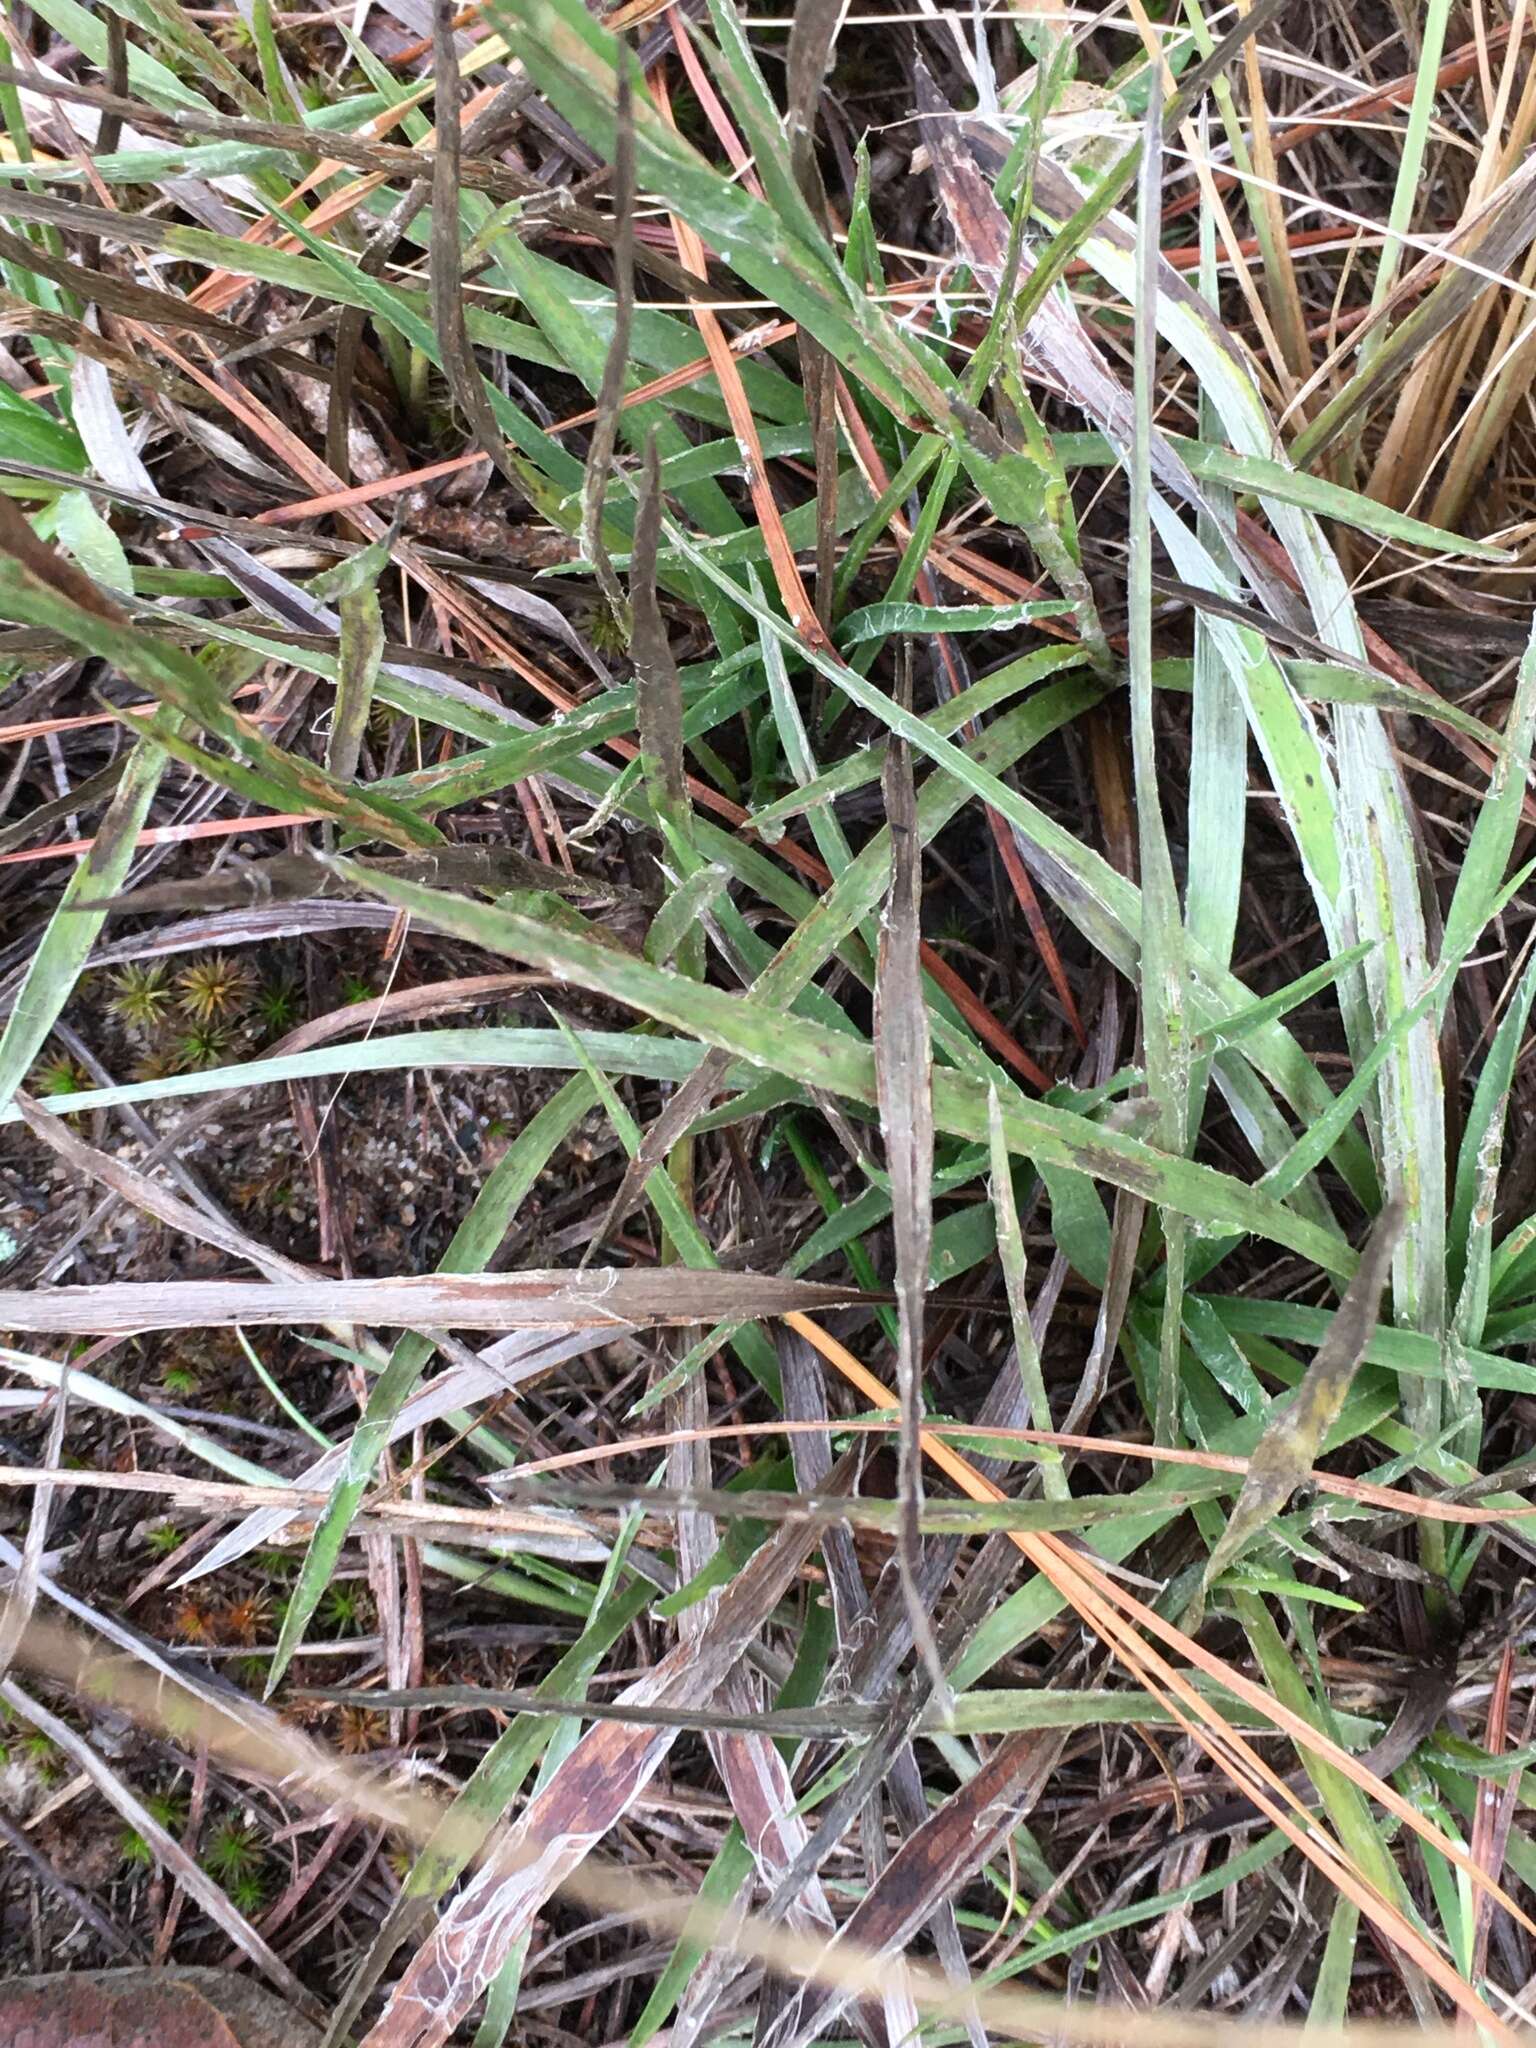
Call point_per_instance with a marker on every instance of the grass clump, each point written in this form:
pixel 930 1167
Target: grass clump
pixel 904 652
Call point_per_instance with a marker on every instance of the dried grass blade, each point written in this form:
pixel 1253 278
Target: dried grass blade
pixel 1496 1809
pixel 446 250
pixel 930 1866
pixel 903 1062
pixel 599 1297
pixel 610 396
pixel 678 1114
pixel 1011 1257
pixel 658 687
pixel 604 1774
pixel 755 1775
pixel 1288 1448
pixel 738 406
pixel 17 1611
pixel 1507 224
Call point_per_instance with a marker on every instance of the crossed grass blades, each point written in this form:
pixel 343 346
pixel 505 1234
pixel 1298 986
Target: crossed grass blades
pixel 1016 549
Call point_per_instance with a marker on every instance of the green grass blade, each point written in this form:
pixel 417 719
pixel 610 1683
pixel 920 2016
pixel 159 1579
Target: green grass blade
pixel 752 1030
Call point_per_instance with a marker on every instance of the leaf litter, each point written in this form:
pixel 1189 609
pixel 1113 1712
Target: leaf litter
pixel 647 697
